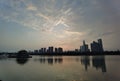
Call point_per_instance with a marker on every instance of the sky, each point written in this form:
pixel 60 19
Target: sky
pixel 32 24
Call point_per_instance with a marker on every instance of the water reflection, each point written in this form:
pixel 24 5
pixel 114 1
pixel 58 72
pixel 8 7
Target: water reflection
pixel 21 61
pixel 85 60
pixel 98 62
pixel 3 57
pixel 50 60
pixel 56 68
pixel 58 60
pixel 42 60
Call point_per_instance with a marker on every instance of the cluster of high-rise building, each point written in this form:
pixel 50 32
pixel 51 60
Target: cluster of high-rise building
pixel 95 46
pixel 49 50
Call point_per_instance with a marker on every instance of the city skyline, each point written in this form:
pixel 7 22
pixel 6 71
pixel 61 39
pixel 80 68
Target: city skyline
pixel 33 24
pixel 85 48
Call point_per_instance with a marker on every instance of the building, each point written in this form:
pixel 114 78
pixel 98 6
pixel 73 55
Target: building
pixel 76 50
pixel 101 45
pixel 84 47
pixel 97 46
pixel 44 50
pixel 40 51
pixel 60 50
pixel 56 50
pixel 36 51
pixel 50 49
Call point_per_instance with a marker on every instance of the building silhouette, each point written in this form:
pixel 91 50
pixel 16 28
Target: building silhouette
pixel 50 49
pixel 60 50
pixel 36 51
pixel 101 45
pixel 56 50
pixel 84 47
pixel 97 46
pixel 76 50
pixel 42 50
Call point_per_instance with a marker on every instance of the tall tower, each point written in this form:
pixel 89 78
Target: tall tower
pixel 84 43
pixel 84 47
pixel 101 45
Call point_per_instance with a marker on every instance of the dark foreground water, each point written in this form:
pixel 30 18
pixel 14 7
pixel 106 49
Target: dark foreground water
pixel 65 68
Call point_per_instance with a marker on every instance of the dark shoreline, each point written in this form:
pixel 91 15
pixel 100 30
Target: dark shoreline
pixel 69 53
pixel 65 54
pixel 73 54
pixel 76 54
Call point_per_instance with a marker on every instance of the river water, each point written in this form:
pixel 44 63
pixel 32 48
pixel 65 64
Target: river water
pixel 61 68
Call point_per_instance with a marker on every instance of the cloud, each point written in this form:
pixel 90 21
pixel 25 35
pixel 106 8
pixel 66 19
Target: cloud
pixel 31 15
pixel 69 21
pixel 68 11
pixel 47 18
pixel 31 7
pixel 73 33
pixel 47 15
pixel 107 33
pixel 43 16
pixel 61 21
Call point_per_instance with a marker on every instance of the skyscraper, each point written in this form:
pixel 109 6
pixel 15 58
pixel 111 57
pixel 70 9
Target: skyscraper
pixel 56 50
pixel 50 49
pixel 44 50
pixel 84 47
pixel 101 45
pixel 97 46
pixel 60 50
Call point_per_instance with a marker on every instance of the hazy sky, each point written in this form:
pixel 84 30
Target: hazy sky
pixel 32 24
